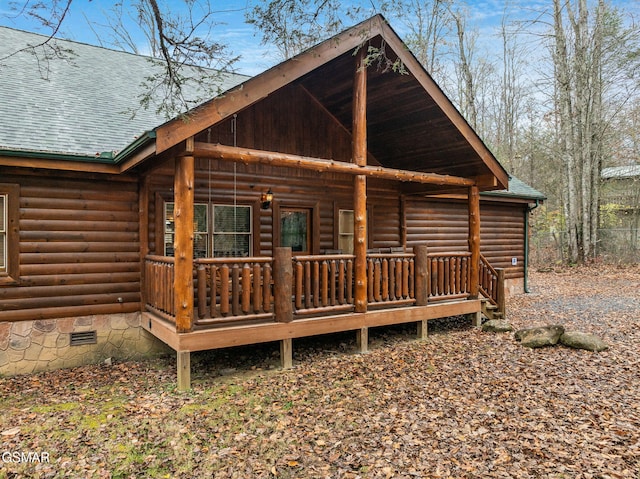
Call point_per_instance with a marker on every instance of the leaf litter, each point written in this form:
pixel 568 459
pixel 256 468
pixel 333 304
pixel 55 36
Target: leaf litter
pixel 462 404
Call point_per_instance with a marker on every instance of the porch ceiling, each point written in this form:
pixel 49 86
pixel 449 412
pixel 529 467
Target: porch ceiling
pixel 406 128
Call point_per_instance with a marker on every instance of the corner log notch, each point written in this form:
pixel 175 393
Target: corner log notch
pixel 248 155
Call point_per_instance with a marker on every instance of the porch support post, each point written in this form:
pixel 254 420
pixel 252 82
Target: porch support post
pixel 183 243
pixel 286 353
pixel 282 284
pixel 184 370
pixel 423 329
pixel 474 241
pixel 422 274
pixel 359 153
pixel 362 340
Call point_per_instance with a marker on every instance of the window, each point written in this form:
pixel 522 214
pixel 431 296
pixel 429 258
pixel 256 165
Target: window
pixel 295 229
pixel 231 231
pixel 9 235
pixel 230 235
pixel 200 230
pixel 345 231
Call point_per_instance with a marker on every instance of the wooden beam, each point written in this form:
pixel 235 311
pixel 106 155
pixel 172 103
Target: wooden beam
pixel 248 156
pixel 359 153
pixel 183 243
pixel 474 241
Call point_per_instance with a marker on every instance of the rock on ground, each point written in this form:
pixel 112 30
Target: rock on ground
pixel 541 336
pixel 580 340
pixel 497 326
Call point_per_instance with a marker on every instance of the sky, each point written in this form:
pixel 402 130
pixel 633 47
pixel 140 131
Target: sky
pixel 243 39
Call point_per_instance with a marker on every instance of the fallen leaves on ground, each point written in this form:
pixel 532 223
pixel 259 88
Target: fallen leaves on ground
pixel 463 404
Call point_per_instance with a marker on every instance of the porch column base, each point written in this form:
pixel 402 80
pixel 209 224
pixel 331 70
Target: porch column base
pixel 423 330
pixel 184 370
pixel 286 353
pixel 476 319
pixel 362 340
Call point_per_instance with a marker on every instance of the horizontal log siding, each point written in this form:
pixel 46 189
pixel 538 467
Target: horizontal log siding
pixel 289 121
pixel 443 226
pixel 291 188
pixel 79 249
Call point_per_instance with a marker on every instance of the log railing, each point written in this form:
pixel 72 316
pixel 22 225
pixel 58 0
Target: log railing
pixel 231 289
pixel 448 275
pixel 322 284
pixel 158 291
pixel 390 278
pixel 492 284
pixel 239 289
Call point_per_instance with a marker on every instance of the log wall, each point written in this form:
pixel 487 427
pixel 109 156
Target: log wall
pixel 443 225
pixel 79 248
pixel 326 192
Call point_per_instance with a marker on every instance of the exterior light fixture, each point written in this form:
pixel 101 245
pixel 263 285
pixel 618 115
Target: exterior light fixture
pixel 266 199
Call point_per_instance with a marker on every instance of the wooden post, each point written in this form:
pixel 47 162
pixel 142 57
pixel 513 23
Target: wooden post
pixel 360 182
pixel 421 269
pixel 362 340
pixel 183 243
pixel 286 353
pixel 474 241
pixel 282 284
pixel 500 294
pixel 184 370
pixel 423 329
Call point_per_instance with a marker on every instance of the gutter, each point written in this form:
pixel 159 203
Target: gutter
pixel 104 157
pixel 528 210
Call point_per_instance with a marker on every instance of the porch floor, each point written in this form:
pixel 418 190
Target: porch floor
pixel 222 336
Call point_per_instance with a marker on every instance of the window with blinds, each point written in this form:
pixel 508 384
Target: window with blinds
pixel 231 231
pixel 227 234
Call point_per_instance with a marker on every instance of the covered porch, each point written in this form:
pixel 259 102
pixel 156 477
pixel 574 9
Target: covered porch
pixel 395 135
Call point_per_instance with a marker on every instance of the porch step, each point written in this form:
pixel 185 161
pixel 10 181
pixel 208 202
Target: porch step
pixel 491 310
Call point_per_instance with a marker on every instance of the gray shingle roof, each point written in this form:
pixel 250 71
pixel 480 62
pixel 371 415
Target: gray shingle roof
pixel 517 189
pixel 78 106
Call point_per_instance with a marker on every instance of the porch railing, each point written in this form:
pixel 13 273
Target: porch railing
pixel 229 289
pixel 448 275
pixel 158 291
pixel 390 278
pixel 242 289
pixel 322 284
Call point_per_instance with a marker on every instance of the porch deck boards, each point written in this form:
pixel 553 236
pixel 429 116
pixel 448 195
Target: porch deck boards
pixel 239 335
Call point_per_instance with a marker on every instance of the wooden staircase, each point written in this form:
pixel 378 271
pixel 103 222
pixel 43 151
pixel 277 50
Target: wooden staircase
pixel 492 290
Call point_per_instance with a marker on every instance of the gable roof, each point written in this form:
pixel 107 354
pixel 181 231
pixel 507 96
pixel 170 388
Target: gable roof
pixel 81 105
pixel 83 108
pixel 411 124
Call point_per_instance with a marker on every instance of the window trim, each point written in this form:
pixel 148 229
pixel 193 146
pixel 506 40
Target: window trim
pixel 11 276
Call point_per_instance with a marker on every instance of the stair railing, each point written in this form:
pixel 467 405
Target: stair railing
pixel 492 284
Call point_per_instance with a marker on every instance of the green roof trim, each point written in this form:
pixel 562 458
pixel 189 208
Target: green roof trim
pixel 104 157
pixel 143 140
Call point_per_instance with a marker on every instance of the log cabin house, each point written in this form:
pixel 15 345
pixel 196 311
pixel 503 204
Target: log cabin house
pixel 322 195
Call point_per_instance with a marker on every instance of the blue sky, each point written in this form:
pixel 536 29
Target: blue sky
pixel 242 38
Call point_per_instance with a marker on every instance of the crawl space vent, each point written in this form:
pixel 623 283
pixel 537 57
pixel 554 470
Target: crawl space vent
pixel 83 337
